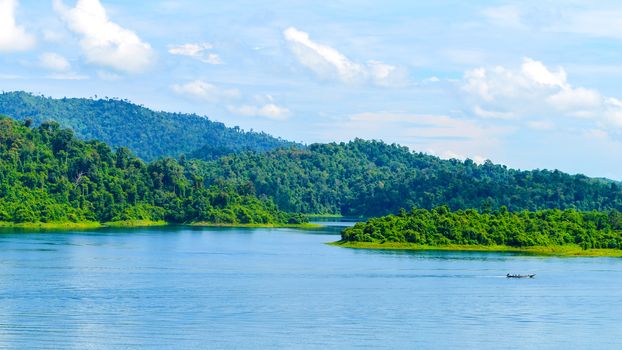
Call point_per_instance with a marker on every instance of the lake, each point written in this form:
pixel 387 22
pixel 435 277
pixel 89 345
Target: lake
pixel 207 288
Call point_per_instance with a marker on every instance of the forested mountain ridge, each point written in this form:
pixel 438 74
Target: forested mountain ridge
pixel 147 133
pixel 363 178
pixel 49 175
pixel 372 178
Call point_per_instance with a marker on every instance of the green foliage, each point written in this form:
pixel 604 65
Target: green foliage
pixel 48 175
pixel 441 226
pixel 371 178
pixel 149 134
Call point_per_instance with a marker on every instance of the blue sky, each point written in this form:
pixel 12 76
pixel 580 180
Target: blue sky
pixel 527 84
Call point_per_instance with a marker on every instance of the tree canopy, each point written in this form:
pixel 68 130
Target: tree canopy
pixel 372 178
pixel 441 226
pixel 49 175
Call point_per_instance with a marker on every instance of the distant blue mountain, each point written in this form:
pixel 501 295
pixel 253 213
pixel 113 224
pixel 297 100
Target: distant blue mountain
pixel 149 134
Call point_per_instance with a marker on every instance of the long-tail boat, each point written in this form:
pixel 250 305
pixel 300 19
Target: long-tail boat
pixel 519 276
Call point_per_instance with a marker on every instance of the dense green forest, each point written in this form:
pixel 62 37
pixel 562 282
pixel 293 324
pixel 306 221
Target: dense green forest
pixel 148 134
pixel 371 178
pixel 49 175
pixel 442 226
pixel 361 178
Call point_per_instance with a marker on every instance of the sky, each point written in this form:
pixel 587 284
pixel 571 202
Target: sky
pixel 529 84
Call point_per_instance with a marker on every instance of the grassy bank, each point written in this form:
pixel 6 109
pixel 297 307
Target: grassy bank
pixel 569 250
pixel 303 226
pixel 140 223
pixel 80 225
pixel 135 223
pixel 52 225
pixel 328 216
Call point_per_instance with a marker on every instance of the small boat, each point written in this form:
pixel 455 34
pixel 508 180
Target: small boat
pixel 519 276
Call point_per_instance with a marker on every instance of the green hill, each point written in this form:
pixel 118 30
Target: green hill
pixel 371 178
pixel 48 175
pixel 149 134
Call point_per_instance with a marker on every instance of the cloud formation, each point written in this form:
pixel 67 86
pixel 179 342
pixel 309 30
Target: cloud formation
pixel 12 36
pixel 203 90
pixel 269 110
pixel 329 63
pixel 534 91
pixel 197 51
pixel 104 42
pixel 54 61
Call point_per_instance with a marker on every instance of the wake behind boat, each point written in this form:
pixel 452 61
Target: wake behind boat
pixel 519 276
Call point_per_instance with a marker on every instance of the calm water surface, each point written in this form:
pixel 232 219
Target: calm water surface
pixel 185 288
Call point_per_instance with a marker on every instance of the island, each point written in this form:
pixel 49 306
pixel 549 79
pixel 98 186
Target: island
pixel 545 232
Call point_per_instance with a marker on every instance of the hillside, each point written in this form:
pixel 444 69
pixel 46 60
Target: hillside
pixel 371 178
pixel 48 175
pixel 149 134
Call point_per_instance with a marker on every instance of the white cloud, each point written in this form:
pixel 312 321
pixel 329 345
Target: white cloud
pixel 270 111
pixel 537 72
pixel 578 99
pixel 104 42
pixel 453 155
pixel 534 90
pixel 12 36
pixel 203 90
pixel 192 50
pixel 328 62
pixel 613 113
pixel 212 58
pixel 322 59
pixel 54 61
pixel 60 67
pixel 533 78
pixel 196 51
pixel 432 79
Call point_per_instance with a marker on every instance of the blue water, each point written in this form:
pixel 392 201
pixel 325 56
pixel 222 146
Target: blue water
pixel 185 288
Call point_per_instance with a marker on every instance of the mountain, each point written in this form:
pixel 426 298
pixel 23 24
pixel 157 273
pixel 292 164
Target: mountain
pixel 147 133
pixel 49 175
pixel 362 178
pixel 371 178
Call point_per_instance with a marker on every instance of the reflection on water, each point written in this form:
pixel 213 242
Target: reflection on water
pixel 336 222
pixel 187 288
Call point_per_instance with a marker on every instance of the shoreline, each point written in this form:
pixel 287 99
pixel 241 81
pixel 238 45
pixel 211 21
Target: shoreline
pixel 328 216
pixel 211 224
pixel 81 225
pixel 139 223
pixel 560 251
